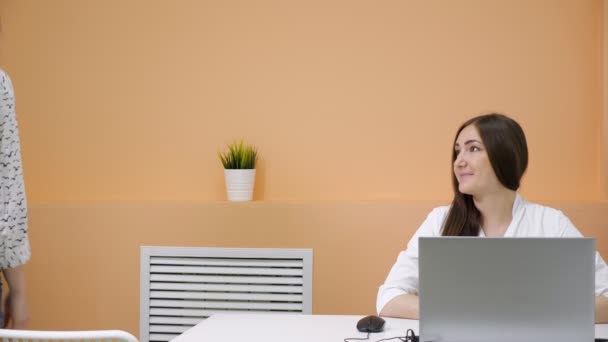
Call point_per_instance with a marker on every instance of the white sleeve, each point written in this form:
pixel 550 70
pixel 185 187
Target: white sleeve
pixel 403 277
pixel 601 276
pixel 601 270
pixel 14 242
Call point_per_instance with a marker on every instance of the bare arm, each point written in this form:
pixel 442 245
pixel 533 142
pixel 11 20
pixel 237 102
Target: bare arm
pixel 16 315
pixel 402 306
pixel 601 309
pixel 407 306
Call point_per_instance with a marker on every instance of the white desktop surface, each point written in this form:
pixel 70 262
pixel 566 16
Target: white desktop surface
pixel 298 328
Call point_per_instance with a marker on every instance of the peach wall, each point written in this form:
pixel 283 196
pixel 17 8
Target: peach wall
pixel 130 100
pixel 123 105
pixel 604 135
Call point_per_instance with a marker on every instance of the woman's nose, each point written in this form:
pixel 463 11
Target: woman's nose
pixel 459 161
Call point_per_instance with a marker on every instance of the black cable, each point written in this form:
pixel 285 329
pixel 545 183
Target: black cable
pixel 357 338
pixel 401 338
pixel 410 336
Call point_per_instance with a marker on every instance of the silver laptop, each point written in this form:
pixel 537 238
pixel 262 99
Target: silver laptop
pixel 507 289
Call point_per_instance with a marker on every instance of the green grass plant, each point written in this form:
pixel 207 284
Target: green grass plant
pixel 239 156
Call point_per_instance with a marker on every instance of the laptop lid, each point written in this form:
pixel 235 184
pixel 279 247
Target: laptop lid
pixel 506 289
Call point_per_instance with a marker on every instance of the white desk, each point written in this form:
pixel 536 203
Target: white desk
pixel 297 328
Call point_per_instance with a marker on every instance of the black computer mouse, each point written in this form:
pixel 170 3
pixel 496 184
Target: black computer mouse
pixel 370 324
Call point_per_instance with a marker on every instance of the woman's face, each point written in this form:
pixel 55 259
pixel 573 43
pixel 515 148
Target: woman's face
pixel 472 166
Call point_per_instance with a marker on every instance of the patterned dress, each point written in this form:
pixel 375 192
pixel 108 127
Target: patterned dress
pixel 14 243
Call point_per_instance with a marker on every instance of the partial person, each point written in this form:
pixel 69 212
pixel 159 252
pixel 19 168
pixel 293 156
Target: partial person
pixel 489 158
pixel 14 242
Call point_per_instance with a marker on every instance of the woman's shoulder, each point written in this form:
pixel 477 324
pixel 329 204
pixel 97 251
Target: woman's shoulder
pixel 434 221
pixel 440 211
pixel 540 211
pixel 439 214
pixel 546 221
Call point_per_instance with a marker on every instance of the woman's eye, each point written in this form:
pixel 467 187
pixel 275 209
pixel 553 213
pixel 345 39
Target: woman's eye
pixel 475 149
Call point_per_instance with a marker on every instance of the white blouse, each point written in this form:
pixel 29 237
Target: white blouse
pixel 529 220
pixel 14 243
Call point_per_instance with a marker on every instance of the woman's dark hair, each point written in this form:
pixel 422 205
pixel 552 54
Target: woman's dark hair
pixel 505 143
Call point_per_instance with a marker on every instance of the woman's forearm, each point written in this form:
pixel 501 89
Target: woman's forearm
pixel 601 309
pixel 402 306
pixel 408 306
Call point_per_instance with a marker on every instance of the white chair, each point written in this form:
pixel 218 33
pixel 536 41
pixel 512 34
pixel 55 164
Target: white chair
pixel 10 335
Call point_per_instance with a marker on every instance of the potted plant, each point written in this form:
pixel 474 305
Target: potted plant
pixel 239 170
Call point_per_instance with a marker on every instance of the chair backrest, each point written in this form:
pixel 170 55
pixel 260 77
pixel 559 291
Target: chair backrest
pixel 10 335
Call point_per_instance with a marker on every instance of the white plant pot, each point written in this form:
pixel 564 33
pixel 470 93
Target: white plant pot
pixel 239 184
